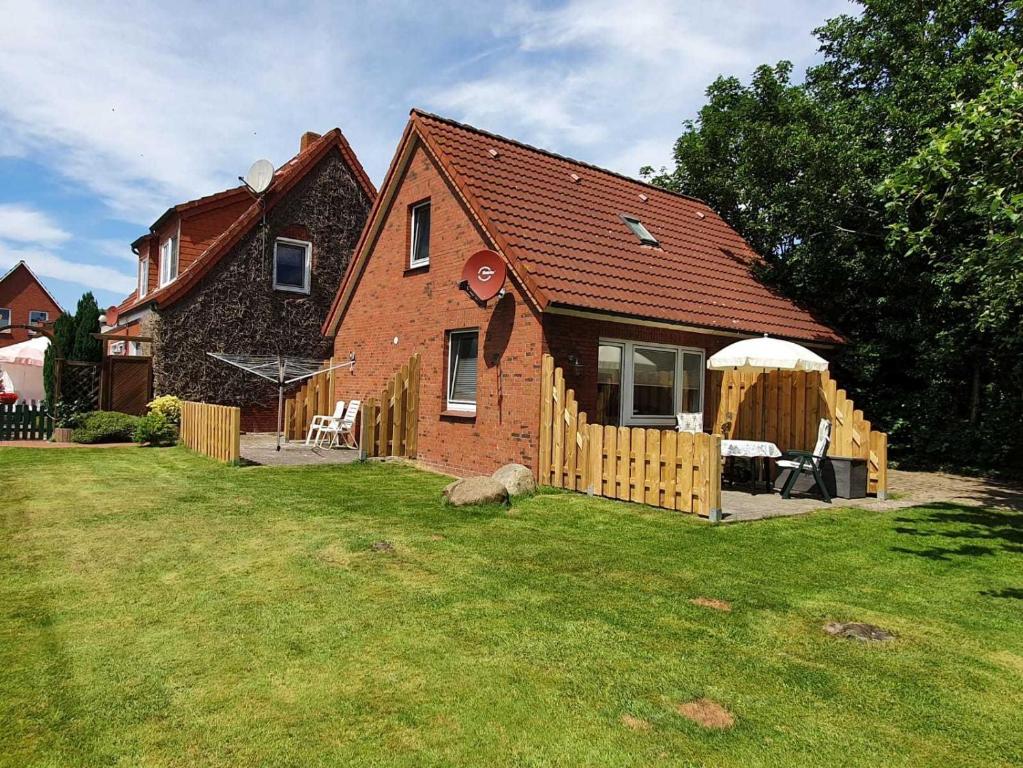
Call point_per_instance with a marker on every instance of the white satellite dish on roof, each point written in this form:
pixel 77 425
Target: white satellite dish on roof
pixel 259 176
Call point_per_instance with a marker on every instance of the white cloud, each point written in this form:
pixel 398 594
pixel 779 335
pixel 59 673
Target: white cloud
pixel 24 224
pixel 47 264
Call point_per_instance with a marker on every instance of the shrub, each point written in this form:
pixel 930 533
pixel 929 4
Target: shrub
pixel 68 414
pixel 156 429
pixel 169 406
pixel 105 427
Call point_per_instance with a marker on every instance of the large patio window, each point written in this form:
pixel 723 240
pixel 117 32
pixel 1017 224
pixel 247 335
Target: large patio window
pixel 647 384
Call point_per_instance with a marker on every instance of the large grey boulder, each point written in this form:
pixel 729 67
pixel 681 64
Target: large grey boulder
pixel 475 490
pixel 516 478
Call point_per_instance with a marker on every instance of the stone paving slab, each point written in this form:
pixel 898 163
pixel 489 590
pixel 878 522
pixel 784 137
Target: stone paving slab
pixel 261 448
pixel 906 489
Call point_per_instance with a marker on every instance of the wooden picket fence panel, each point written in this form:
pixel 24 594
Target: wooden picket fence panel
pixel 663 468
pixel 28 420
pixel 390 421
pixel 212 430
pixel 314 398
pixel 785 408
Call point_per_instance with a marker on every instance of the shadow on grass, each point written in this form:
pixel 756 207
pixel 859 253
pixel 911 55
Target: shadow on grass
pixel 988 531
pixel 1009 593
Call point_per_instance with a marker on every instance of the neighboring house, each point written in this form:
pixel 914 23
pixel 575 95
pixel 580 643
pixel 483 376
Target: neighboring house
pixel 229 273
pixel 628 286
pixel 24 300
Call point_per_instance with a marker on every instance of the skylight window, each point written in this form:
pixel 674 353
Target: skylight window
pixel 640 231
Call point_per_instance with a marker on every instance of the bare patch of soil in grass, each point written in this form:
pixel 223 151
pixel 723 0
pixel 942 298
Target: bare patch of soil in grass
pixel 712 602
pixel 707 713
pixel 335 555
pixel 636 723
pixel 382 546
pixel 856 630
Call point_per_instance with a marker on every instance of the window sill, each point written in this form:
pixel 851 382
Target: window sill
pixel 458 415
pixel 416 269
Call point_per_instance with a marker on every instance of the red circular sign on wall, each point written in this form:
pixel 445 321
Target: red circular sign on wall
pixel 483 275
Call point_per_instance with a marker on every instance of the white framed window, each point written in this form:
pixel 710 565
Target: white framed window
pixel 419 255
pixel 5 319
pixel 293 262
pixel 463 347
pixel 116 347
pixel 38 317
pixel 143 286
pixel 645 384
pixel 168 260
pixel 134 348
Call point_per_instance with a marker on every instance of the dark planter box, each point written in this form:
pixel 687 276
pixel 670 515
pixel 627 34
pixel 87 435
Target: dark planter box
pixel 844 477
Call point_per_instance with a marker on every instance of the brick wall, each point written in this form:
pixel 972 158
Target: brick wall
pixel 21 294
pixel 417 308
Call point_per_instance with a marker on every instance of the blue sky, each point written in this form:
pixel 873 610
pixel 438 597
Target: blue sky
pixel 112 112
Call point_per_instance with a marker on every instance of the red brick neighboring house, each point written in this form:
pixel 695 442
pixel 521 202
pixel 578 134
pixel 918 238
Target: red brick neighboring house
pixel 213 278
pixel 24 300
pixel 628 286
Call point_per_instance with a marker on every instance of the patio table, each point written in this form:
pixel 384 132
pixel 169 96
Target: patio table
pixel 756 452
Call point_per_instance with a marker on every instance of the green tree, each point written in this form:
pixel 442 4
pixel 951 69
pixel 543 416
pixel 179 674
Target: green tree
pixel 800 170
pixel 60 347
pixel 86 347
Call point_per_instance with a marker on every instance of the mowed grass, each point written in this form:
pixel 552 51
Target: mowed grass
pixel 157 609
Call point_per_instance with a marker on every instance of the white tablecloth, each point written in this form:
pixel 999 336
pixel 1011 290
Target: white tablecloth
pixel 749 448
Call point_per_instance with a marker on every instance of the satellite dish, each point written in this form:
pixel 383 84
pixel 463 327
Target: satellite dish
pixel 259 176
pixel 483 275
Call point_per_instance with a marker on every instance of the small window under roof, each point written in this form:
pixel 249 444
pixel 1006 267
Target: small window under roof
pixel 639 230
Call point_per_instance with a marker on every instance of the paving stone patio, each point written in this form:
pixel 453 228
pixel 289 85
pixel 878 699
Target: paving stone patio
pixel 261 448
pixel 905 489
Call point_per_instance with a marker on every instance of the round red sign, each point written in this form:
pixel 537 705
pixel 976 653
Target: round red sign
pixel 483 275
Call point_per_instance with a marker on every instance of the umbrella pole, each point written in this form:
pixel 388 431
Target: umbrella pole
pixel 280 401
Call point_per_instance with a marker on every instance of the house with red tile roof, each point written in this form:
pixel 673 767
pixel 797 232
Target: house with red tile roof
pixel 24 301
pixel 238 273
pixel 628 286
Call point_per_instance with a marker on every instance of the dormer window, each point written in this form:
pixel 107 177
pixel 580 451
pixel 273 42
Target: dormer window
pixel 640 231
pixel 420 239
pixel 293 265
pixel 168 260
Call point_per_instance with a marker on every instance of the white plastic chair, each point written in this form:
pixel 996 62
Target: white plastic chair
pixel 343 430
pixel 689 422
pixel 319 422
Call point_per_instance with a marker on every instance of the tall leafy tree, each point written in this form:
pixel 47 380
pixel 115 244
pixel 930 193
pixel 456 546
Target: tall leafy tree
pixel 85 346
pixel 800 170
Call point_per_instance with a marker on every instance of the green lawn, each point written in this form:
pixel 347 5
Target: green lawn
pixel 158 609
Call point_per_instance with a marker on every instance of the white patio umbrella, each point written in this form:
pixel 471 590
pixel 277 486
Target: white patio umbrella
pixel 22 367
pixel 766 354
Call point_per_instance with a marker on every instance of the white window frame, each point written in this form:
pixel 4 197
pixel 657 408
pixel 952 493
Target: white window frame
pixel 463 406
pixel 307 277
pixel 412 262
pixel 116 347
pixel 174 241
pixel 135 349
pixel 143 286
pixel 8 321
pixel 626 417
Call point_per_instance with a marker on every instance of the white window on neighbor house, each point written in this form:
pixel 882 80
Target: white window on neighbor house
pixel 5 319
pixel 293 262
pixel 143 286
pixel 643 384
pixel 135 348
pixel 38 317
pixel 419 255
pixel 116 347
pixel 462 350
pixel 168 260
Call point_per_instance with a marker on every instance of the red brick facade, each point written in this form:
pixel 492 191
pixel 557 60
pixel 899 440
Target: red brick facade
pixel 21 293
pixel 418 308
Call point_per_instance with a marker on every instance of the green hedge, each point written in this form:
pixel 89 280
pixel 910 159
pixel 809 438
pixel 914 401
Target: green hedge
pixel 105 427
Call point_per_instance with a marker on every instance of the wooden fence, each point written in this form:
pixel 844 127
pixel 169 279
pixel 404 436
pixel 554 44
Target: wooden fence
pixel 314 398
pixel 213 430
pixel 25 421
pixel 785 407
pixel 663 468
pixel 390 421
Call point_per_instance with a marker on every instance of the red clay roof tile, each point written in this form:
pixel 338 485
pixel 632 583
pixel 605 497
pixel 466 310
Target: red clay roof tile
pixel 560 220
